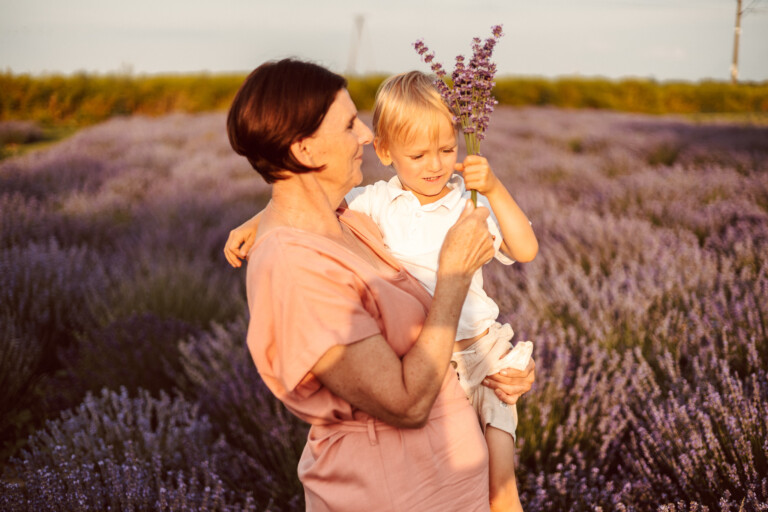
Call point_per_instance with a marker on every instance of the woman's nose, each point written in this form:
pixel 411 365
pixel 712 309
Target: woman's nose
pixel 364 134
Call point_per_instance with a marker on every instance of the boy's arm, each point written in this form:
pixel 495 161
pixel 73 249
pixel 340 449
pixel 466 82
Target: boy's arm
pixel 519 241
pixel 241 239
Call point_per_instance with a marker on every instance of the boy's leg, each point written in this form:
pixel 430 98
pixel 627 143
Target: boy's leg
pixel 503 486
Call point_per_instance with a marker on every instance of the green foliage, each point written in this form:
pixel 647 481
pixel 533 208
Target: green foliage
pixel 83 99
pixel 635 95
pixel 363 90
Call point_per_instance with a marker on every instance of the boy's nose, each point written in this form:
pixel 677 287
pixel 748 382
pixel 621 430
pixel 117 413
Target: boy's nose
pixel 435 164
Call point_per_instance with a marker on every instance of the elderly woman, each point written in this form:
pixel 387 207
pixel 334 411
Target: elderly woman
pixel 339 332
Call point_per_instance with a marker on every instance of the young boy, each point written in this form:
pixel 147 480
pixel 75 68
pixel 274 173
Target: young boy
pixel 415 134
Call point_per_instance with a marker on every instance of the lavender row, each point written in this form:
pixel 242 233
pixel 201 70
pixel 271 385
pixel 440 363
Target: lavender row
pixel 646 305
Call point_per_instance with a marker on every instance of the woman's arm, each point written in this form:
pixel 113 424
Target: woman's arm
pixel 401 391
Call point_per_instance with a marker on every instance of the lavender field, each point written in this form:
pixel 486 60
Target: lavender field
pixel 125 382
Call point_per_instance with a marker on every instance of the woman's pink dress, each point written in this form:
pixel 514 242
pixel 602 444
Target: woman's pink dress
pixel 307 294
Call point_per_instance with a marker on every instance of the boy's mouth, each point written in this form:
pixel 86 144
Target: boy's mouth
pixel 432 179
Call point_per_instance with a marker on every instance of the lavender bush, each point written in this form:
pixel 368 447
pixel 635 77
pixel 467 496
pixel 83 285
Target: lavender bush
pixel 710 427
pixel 646 305
pixel 219 372
pixel 47 295
pixel 19 132
pixel 109 357
pixel 657 262
pixel 123 453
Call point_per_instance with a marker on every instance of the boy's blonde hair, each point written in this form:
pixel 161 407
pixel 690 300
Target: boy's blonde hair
pixel 406 103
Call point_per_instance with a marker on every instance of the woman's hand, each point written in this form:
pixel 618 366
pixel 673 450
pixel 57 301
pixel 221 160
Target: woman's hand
pixel 467 245
pixel 509 384
pixel 241 240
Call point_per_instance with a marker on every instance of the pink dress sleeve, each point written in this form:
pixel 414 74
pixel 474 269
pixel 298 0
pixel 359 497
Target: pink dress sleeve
pixel 309 302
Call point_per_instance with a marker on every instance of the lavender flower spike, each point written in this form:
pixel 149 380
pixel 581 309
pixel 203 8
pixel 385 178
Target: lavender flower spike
pixel 469 93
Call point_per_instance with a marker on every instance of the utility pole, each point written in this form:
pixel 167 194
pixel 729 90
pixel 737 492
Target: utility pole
pixel 736 34
pixel 752 7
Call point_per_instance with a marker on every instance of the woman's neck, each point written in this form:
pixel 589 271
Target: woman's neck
pixel 303 203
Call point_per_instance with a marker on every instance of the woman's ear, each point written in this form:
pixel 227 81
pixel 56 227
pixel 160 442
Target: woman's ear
pixel 301 151
pixel 384 157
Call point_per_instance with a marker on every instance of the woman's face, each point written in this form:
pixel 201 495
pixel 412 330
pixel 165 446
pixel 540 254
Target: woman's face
pixel 338 144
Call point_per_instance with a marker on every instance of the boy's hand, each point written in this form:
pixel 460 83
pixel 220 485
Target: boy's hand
pixel 478 174
pixel 240 241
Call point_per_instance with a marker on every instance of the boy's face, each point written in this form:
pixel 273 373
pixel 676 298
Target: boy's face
pixel 425 162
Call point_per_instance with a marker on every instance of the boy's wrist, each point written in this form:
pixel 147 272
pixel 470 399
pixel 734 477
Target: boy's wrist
pixel 494 190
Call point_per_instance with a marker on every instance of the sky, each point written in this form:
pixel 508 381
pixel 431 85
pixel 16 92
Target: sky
pixel 665 40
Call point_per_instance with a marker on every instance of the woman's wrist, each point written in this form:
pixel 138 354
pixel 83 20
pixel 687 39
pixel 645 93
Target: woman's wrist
pixel 450 294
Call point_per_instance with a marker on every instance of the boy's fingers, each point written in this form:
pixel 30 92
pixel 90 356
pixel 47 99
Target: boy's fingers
pixel 473 160
pixel 233 254
pixel 234 260
pixel 231 259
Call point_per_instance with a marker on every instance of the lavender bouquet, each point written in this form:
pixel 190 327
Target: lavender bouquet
pixel 469 91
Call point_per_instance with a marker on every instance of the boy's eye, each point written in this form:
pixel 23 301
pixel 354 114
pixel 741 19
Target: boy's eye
pixel 449 150
pixel 416 157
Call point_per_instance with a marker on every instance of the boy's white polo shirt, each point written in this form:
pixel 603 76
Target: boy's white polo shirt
pixel 414 234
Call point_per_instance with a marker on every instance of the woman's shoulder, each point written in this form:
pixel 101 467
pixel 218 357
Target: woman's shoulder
pixel 289 251
pixel 359 220
pixel 284 244
pixel 284 252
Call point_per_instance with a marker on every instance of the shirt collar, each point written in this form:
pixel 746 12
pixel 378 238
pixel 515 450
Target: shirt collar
pixel 455 184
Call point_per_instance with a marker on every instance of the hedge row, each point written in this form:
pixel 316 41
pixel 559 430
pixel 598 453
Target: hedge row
pixel 83 99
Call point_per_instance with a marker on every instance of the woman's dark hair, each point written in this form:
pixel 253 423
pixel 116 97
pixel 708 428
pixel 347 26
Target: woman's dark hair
pixel 280 103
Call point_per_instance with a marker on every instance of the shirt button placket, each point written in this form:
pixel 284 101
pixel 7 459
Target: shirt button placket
pixel 417 223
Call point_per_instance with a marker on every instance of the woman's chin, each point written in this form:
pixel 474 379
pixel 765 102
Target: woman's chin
pixel 357 177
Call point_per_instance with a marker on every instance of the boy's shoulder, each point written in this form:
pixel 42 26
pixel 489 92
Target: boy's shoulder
pixel 377 186
pixel 366 197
